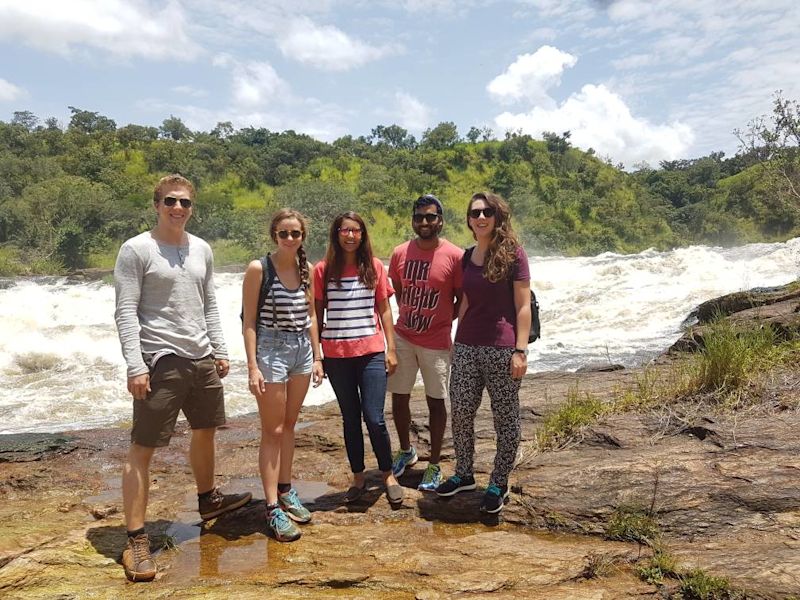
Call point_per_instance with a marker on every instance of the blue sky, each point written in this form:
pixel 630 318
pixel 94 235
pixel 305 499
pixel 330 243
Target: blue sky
pixel 637 80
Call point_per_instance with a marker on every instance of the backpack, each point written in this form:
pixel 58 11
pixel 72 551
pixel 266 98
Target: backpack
pixel 267 278
pixel 535 332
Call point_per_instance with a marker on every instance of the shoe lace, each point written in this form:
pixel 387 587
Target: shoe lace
pixel 430 473
pixel 215 497
pixel 290 498
pixel 141 549
pixel 279 519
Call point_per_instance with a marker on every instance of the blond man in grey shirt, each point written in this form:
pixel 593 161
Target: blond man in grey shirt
pixel 169 328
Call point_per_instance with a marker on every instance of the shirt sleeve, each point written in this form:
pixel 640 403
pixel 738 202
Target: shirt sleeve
pixel 393 269
pixel 319 269
pixel 128 274
pixel 383 288
pixel 522 272
pixel 211 309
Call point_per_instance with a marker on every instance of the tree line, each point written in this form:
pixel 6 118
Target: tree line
pixel 69 195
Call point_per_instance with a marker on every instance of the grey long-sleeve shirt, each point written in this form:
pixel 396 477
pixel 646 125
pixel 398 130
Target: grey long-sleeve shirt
pixel 165 302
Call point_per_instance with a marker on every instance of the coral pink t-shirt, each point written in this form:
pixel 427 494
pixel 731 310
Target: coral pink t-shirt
pixel 430 280
pixel 352 327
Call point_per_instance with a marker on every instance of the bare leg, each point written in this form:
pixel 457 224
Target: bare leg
pixel 437 421
pixel 136 485
pixel 401 413
pixel 272 410
pixel 296 389
pixel 201 457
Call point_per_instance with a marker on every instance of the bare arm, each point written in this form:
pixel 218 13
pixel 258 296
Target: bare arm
pixel 317 371
pixel 385 313
pixel 522 304
pixel 251 287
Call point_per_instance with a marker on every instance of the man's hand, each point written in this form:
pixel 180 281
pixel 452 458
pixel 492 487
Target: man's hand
pixel 223 366
pixel 139 386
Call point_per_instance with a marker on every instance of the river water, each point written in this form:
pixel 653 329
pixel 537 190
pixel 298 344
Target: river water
pixel 61 367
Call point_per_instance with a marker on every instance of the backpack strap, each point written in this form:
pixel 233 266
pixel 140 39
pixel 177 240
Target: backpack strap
pixel 466 257
pixel 267 279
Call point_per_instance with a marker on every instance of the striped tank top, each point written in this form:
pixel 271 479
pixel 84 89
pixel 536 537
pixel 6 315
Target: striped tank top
pixel 351 310
pixel 290 309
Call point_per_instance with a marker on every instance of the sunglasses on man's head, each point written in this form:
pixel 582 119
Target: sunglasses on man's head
pixel 295 234
pixel 488 212
pixel 171 200
pixel 428 218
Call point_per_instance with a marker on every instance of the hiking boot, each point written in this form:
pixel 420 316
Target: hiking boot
pixel 402 460
pixel 137 561
pixel 431 479
pixel 493 499
pixel 281 527
pixel 217 503
pixel 456 484
pixel 291 505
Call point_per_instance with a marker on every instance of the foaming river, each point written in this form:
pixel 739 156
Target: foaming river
pixel 61 367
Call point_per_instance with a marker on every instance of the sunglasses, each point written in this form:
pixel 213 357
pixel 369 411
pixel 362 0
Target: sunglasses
pixel 487 212
pixel 429 218
pixel 171 200
pixel 295 234
pixel 348 230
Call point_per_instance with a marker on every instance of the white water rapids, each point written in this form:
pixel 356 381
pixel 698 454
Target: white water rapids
pixel 61 367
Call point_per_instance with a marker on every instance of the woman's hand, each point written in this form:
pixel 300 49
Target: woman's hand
pixel 390 361
pixel 256 383
pixel 317 373
pixel 519 364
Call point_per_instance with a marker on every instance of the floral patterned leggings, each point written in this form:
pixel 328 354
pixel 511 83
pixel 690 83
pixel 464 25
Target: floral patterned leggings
pixel 475 368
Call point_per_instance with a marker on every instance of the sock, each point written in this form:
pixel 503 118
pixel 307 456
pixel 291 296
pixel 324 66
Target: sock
pixel 284 487
pixel 205 495
pixel 132 534
pixel 271 507
pixel 405 450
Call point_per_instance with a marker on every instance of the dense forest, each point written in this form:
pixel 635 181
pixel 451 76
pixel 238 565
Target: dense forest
pixel 69 195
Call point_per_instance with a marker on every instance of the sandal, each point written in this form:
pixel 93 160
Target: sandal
pixel 354 493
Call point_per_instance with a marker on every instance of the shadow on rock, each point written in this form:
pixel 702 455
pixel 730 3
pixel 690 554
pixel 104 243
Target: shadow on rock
pixel 110 540
pixel 462 508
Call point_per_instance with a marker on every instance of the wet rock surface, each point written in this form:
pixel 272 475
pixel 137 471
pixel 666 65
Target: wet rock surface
pixel 724 490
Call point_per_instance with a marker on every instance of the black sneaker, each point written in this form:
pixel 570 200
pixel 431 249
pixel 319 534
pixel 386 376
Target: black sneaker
pixel 493 499
pixel 217 503
pixel 456 484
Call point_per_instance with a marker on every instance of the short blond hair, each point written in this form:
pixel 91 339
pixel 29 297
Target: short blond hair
pixel 171 180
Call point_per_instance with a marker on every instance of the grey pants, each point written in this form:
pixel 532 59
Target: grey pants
pixel 475 368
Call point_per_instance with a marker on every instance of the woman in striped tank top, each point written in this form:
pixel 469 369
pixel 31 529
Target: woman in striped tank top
pixel 282 345
pixel 352 290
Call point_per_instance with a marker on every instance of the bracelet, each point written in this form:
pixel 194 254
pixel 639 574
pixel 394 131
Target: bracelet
pixel 317 360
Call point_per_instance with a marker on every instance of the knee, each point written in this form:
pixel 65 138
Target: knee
pixel 272 431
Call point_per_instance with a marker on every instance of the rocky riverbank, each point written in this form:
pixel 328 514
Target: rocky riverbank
pixel 720 490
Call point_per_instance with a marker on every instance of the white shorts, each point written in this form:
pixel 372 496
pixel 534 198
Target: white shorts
pixel 411 359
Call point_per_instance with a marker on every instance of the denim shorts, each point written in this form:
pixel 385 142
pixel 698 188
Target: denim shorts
pixel 283 354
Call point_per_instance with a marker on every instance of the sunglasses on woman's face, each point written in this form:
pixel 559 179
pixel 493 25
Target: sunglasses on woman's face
pixel 171 200
pixel 429 218
pixel 295 234
pixel 345 231
pixel 487 212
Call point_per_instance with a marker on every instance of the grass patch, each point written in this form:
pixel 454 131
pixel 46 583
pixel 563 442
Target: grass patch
pixel 563 426
pixel 228 252
pixel 658 567
pixel 105 258
pixel 10 264
pixel 632 523
pixel 598 565
pixel 698 585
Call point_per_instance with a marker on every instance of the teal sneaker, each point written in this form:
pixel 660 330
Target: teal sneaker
pixel 291 505
pixel 280 526
pixel 431 479
pixel 402 460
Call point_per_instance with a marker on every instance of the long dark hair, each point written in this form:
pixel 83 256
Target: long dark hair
pixel 502 252
pixel 302 260
pixel 334 256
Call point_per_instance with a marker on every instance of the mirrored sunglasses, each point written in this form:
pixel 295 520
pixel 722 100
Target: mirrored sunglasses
pixel 295 234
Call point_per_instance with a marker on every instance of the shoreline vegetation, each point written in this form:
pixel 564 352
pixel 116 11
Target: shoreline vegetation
pixel 69 195
pixel 676 479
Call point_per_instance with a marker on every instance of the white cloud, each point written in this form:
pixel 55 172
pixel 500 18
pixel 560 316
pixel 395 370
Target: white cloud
pixel 188 90
pixel 531 75
pixel 411 113
pixel 257 83
pixel 121 28
pixel 10 92
pixel 598 118
pixel 326 47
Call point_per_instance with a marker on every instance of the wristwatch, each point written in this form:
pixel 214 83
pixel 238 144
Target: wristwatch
pixel 521 351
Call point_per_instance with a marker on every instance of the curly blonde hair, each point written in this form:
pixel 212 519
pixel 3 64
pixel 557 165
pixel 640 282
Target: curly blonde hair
pixel 502 253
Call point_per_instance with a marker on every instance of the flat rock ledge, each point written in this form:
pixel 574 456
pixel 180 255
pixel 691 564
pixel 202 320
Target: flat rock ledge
pixel 724 490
